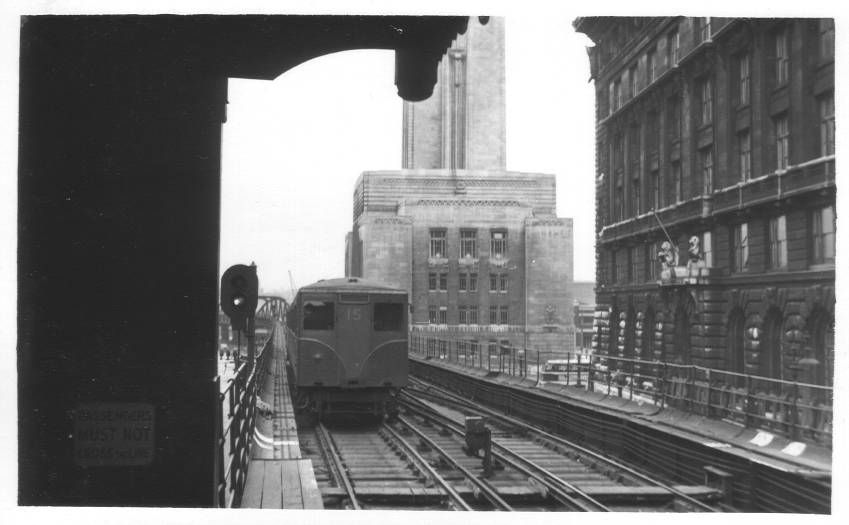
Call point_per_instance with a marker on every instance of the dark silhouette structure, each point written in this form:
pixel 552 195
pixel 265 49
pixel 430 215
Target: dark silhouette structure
pixel 119 190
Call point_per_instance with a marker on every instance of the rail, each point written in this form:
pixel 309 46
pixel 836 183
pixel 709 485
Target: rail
pixel 560 441
pixel 235 423
pixel 796 410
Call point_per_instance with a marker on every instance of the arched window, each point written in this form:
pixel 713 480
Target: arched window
pixel 613 343
pixel 822 334
pixel 734 347
pixel 647 346
pixel 682 334
pixel 770 362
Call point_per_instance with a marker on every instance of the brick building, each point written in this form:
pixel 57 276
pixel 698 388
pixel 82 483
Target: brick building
pixel 719 130
pixel 480 249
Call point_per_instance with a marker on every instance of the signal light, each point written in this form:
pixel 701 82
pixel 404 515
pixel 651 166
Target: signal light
pixel 239 291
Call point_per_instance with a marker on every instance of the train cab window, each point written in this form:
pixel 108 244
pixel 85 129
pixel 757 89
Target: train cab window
pixel 318 315
pixel 388 317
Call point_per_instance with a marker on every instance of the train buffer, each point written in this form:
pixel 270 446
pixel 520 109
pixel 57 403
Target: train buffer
pixel 278 477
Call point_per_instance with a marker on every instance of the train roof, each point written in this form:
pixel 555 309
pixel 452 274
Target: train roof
pixel 345 284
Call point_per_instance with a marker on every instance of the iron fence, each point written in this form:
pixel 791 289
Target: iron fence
pixel 793 409
pixel 235 424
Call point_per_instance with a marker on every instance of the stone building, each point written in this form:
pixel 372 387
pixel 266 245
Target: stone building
pixel 480 249
pixel 717 136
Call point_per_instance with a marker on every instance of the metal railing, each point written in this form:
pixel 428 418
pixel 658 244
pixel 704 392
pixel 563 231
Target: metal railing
pixel 797 410
pixel 235 424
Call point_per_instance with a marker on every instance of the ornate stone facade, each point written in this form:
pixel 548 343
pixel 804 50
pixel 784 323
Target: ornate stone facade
pixel 716 136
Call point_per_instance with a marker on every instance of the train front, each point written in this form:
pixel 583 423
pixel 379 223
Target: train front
pixel 350 353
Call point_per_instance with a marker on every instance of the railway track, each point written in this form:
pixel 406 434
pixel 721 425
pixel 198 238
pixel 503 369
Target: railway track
pixel 584 472
pixel 376 467
pixel 420 461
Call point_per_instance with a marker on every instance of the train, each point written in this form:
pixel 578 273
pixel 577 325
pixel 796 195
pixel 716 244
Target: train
pixel 347 348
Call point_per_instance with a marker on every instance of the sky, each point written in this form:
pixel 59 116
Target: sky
pixel 293 148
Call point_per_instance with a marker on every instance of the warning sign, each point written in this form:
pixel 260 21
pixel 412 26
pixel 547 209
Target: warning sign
pixel 113 434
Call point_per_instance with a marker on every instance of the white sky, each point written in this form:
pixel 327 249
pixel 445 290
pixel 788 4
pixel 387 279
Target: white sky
pixel 294 147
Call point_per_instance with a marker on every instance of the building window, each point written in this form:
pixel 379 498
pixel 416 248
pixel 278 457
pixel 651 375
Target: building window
pixel 782 57
pixel 624 269
pixel 706 165
pixel 620 202
pixel 473 315
pixel 744 150
pixel 613 266
pixel 776 237
pixel 826 107
pixel 651 261
pixel 498 244
pixel 707 249
pixel 617 95
pixel 636 198
pixel 634 264
pixel 735 346
pixel 655 189
pixel 705 91
pixel 462 315
pixel 498 282
pixel 823 226
pixel 432 314
pixel 437 243
pixel 826 38
pixel 437 281
pixel 744 79
pixel 740 247
pixel 678 189
pixel 504 315
pixel 443 315
pixel 493 315
pixel 704 29
pixel 823 342
pixel 632 79
pixel 673 45
pixel 492 347
pixel 674 118
pixel 468 243
pixel 473 282
pixel 782 142
pixel 618 176
pixel 463 282
pixel 770 356
pixel 634 168
pixel 651 64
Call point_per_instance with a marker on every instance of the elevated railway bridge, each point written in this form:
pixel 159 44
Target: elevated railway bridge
pixel 585 433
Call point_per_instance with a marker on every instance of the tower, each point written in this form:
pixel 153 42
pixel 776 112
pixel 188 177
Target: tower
pixel 462 125
pixel 484 257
